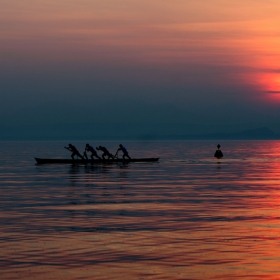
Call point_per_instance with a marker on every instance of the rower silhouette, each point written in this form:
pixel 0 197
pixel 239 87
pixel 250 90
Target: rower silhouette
pixel 124 150
pixel 90 149
pixel 105 152
pixel 74 151
pixel 218 154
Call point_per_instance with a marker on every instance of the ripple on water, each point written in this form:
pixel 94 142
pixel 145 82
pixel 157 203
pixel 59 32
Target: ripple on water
pixel 194 218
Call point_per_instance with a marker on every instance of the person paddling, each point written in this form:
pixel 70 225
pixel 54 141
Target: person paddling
pixel 74 151
pixel 89 148
pixel 105 152
pixel 124 150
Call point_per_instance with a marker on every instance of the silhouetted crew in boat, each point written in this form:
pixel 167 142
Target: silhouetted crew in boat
pixel 89 148
pixel 218 153
pixel 105 152
pixel 124 150
pixel 74 151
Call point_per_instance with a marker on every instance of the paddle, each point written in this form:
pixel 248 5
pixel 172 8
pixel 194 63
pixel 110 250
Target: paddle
pixel 85 155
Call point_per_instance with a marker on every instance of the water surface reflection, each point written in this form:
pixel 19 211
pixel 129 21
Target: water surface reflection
pixel 192 218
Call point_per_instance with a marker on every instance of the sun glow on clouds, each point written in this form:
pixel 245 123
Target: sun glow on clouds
pixel 180 36
pixel 265 49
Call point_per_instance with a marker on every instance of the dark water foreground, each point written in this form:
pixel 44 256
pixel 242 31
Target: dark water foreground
pixel 189 216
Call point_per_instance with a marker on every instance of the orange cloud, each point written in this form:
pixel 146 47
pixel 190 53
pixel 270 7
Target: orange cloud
pixel 242 36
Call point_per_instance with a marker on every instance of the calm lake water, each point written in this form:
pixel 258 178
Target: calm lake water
pixel 188 216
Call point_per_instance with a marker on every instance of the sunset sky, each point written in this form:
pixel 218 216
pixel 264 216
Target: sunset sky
pixel 193 62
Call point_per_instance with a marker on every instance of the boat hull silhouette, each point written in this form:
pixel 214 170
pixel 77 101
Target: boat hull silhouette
pixel 93 161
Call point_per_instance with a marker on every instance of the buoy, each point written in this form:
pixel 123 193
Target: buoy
pixel 218 153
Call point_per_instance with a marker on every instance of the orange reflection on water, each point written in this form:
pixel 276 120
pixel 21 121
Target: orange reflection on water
pixel 177 240
pixel 193 219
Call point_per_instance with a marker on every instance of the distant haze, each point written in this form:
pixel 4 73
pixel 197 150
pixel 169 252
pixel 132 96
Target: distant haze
pixel 156 67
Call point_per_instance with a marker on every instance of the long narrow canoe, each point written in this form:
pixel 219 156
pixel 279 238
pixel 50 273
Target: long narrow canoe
pixel 84 161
